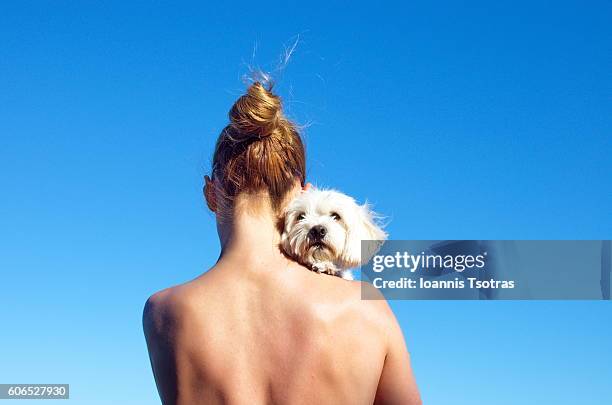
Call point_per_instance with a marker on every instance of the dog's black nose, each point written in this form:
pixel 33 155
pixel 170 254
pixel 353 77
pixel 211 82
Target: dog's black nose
pixel 317 232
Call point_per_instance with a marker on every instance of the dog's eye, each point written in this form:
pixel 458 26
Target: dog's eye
pixel 335 216
pixel 301 216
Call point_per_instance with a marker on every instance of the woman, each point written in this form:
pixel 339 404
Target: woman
pixel 259 328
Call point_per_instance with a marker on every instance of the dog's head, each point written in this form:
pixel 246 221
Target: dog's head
pixel 325 225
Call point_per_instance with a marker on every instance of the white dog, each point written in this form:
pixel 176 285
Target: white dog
pixel 324 228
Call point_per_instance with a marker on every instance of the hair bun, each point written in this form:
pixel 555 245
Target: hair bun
pixel 260 150
pixel 257 114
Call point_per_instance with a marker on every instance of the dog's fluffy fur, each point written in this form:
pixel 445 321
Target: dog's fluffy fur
pixel 341 224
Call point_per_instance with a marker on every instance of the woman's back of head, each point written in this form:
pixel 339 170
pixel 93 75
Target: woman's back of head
pixel 259 151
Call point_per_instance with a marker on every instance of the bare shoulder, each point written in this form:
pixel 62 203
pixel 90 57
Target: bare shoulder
pixel 362 300
pixel 166 310
pixel 373 304
pixel 157 312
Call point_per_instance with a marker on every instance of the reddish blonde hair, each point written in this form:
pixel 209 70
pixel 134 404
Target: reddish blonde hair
pixel 259 150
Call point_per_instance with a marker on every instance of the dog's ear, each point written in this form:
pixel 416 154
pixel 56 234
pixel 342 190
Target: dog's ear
pixel 286 222
pixel 365 228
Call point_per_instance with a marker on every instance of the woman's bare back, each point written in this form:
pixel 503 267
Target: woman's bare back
pixel 255 336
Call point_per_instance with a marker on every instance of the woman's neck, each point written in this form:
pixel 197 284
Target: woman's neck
pixel 250 236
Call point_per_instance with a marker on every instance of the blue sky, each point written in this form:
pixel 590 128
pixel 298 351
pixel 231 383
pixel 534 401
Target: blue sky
pixel 457 120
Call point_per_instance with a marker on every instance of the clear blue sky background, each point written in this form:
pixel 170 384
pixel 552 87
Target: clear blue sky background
pixel 483 120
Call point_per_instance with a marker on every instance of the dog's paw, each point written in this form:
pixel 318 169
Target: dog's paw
pixel 318 267
pixel 326 268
